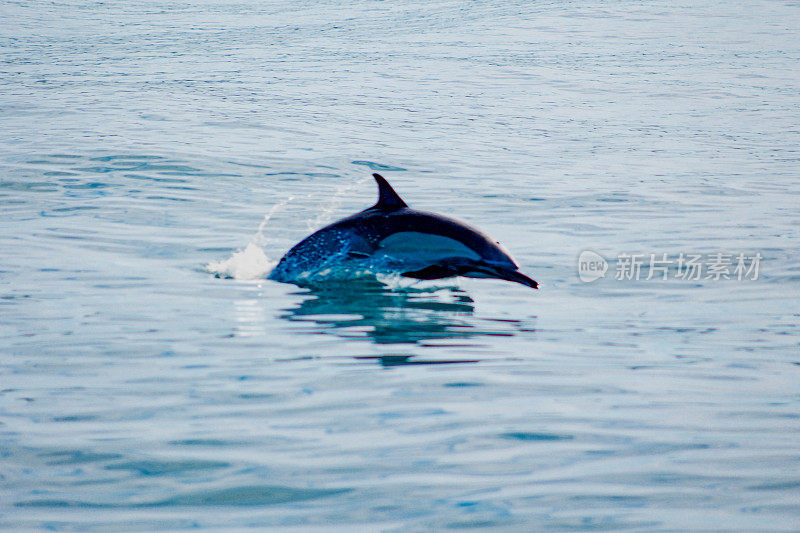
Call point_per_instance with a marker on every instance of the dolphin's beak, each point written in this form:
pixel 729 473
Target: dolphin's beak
pixel 515 276
pixel 459 266
pixel 484 270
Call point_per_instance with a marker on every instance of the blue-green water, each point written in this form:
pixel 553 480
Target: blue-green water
pixel 145 148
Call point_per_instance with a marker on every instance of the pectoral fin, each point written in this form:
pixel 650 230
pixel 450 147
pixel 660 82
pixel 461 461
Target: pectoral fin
pixel 444 268
pixel 431 272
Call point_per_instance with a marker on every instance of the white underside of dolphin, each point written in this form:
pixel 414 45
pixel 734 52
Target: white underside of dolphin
pixel 390 237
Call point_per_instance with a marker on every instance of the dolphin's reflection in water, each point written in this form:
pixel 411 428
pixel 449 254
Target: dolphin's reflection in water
pixel 436 316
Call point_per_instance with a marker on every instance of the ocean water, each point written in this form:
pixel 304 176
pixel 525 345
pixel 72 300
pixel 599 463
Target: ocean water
pixel 156 159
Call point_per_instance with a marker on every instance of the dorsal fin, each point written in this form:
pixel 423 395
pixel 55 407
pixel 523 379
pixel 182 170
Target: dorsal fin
pixel 388 200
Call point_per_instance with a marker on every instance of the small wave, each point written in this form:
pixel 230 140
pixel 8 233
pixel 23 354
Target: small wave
pixel 254 495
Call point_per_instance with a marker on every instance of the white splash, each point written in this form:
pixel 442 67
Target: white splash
pixel 259 238
pixel 327 211
pixel 250 263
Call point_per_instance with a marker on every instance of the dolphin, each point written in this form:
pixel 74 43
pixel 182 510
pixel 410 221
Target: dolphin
pixel 392 236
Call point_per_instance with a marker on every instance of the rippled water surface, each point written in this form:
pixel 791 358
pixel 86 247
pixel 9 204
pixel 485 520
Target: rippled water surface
pixel 146 147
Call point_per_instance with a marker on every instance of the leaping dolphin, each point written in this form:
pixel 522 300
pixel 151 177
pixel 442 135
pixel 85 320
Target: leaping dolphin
pixel 392 236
